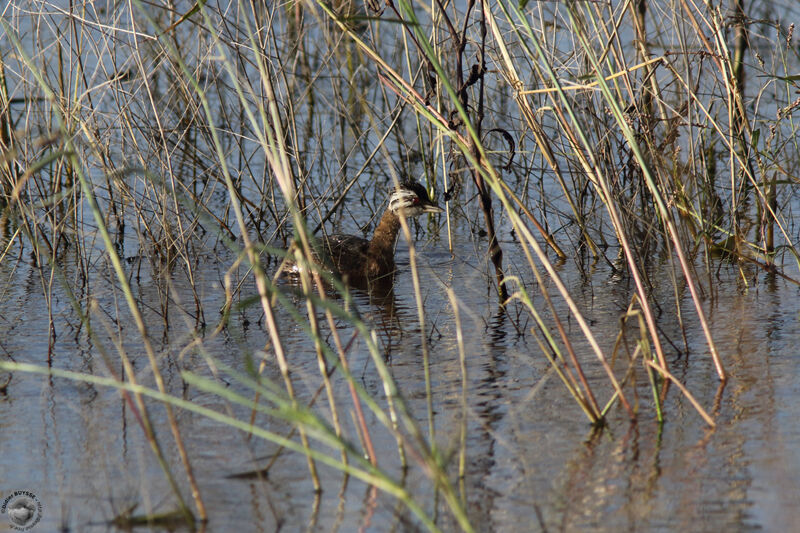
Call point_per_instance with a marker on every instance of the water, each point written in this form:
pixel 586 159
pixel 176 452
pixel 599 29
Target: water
pixel 532 459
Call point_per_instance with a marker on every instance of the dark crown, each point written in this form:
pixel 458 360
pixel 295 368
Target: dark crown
pixel 412 198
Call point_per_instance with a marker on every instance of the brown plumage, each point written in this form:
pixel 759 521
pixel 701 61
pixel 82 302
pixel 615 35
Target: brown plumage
pixel 358 261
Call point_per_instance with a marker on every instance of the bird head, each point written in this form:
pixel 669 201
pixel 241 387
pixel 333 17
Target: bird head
pixel 412 198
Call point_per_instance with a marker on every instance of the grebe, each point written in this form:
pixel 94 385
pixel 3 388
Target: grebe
pixel 360 262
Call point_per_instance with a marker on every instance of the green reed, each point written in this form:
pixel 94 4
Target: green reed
pixel 647 150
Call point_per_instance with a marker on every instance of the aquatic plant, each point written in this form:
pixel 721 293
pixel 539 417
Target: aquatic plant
pixel 136 145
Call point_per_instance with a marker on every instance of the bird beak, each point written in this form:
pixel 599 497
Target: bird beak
pixel 431 208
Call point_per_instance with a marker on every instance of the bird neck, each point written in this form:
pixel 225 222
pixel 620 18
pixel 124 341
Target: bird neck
pixel 380 254
pixel 382 243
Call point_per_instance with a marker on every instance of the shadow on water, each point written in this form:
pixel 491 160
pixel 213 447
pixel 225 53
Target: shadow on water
pixel 490 408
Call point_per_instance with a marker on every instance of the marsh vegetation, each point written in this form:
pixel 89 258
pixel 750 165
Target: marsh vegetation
pixel 606 306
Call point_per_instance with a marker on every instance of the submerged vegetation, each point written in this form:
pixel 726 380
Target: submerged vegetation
pixel 140 141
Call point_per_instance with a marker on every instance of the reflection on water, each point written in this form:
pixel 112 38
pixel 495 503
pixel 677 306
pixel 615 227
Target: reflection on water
pixel 532 460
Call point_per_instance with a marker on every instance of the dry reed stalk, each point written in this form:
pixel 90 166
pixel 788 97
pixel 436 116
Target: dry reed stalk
pixel 666 220
pixel 628 165
pixel 122 279
pixel 462 438
pixel 423 332
pixel 278 161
